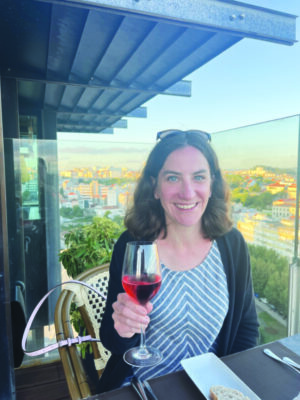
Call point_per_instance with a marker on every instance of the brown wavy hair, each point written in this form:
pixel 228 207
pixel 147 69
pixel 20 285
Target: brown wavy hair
pixel 146 218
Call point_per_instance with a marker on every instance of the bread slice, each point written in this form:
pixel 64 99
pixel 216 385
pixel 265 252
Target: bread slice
pixel 219 392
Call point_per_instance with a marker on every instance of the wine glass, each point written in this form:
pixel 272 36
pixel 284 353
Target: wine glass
pixel 141 280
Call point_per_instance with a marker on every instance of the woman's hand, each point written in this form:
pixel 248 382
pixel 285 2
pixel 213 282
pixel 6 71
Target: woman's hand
pixel 129 316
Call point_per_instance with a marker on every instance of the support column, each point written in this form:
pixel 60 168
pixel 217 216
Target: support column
pixel 49 170
pixel 294 299
pixel 7 376
pixel 11 132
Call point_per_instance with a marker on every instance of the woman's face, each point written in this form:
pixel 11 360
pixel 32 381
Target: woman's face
pixel 184 187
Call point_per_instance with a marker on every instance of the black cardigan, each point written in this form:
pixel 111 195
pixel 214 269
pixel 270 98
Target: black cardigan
pixel 240 328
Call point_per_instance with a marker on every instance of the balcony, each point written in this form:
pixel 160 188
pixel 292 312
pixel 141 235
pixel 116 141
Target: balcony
pixel 67 159
pixel 52 201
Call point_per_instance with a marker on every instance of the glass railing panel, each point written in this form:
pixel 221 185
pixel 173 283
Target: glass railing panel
pixel 260 165
pixel 33 228
pixel 58 186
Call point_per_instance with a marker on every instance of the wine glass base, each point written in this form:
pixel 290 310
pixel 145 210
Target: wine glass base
pixel 146 357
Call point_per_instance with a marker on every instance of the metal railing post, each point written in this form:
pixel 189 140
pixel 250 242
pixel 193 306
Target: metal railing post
pixel 294 280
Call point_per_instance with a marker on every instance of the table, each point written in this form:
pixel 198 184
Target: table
pixel 292 343
pixel 269 379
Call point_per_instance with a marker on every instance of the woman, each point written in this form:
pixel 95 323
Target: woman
pixel 206 299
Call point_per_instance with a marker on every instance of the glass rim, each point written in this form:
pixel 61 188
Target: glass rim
pixel 140 242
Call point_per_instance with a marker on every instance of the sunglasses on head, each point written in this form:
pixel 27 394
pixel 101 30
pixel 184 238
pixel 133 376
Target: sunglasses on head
pixel 173 132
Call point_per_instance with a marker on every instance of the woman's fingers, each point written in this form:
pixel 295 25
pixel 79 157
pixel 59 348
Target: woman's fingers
pixel 149 307
pixel 127 327
pixel 129 317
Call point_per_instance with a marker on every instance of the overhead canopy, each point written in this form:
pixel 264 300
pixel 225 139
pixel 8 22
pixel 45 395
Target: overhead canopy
pixel 94 62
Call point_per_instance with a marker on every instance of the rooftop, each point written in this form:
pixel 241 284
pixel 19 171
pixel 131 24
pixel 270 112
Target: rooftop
pixel 96 62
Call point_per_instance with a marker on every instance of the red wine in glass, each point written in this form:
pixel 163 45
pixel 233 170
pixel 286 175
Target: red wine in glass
pixel 141 280
pixel 142 289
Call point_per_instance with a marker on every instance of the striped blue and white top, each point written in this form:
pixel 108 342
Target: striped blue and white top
pixel 188 313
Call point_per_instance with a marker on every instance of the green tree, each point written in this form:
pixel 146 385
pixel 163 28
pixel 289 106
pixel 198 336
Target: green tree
pixel 270 273
pixel 260 201
pixel 260 275
pixel 255 188
pixel 238 196
pixel 234 181
pixel 89 245
pixel 66 212
pixel 77 212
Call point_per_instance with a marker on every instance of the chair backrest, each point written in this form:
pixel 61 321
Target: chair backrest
pixel 91 307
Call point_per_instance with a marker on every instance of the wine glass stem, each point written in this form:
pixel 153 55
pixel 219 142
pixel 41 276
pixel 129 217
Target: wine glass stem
pixel 143 350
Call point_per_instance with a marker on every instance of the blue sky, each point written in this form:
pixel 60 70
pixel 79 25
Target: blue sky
pixel 251 82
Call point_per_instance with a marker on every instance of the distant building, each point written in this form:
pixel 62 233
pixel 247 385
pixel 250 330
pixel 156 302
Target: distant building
pixel 69 203
pixel 274 234
pixel 116 172
pixel 66 174
pixel 103 190
pixel 85 203
pixel 286 231
pixel 124 198
pixel 283 208
pixel 258 171
pixel 104 173
pixel 88 189
pixel 275 188
pixel 112 199
pixel 72 196
pixel 292 191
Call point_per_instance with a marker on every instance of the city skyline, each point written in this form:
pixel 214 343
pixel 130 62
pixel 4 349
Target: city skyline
pixel 94 169
pixel 252 211
pixel 271 143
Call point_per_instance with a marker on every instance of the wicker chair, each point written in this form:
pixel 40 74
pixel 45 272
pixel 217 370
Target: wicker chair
pixel 91 307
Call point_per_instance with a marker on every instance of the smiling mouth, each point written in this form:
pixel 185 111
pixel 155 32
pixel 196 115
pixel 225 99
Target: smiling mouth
pixel 186 206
